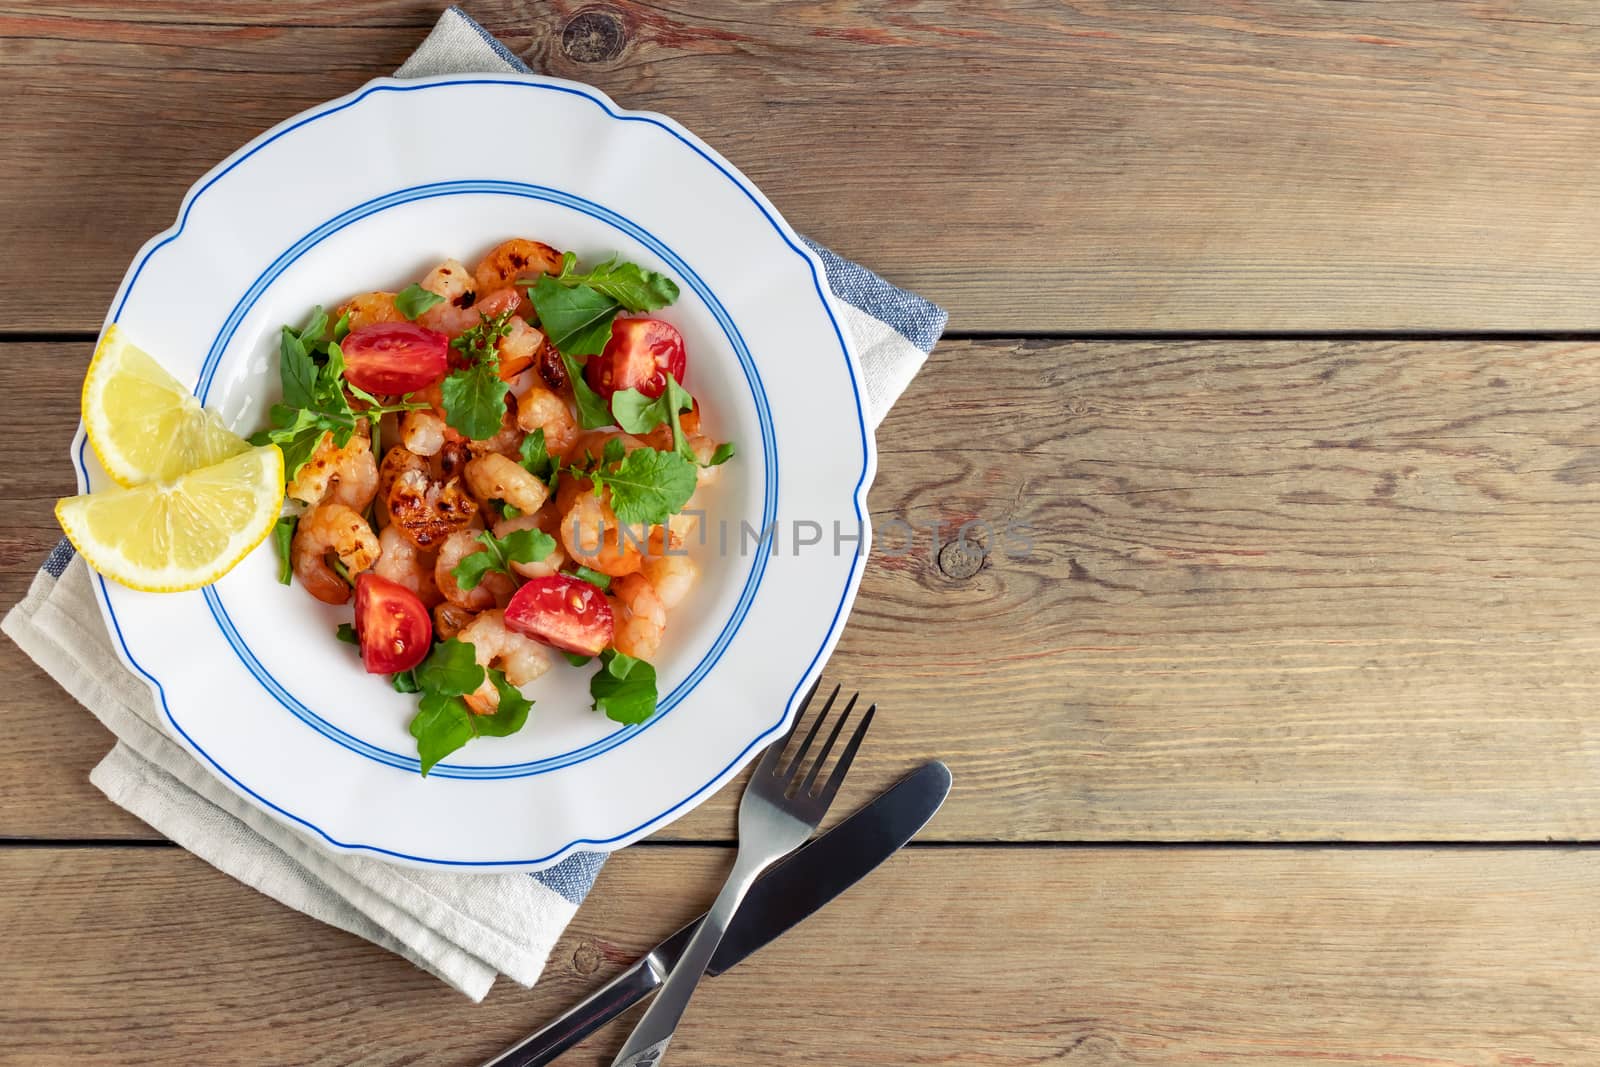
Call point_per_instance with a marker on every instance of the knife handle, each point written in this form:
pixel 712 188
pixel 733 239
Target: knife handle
pixel 611 1000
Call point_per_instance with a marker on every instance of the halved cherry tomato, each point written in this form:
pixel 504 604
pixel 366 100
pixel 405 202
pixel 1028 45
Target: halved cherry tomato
pixel 564 612
pixel 640 355
pixel 395 357
pixel 393 628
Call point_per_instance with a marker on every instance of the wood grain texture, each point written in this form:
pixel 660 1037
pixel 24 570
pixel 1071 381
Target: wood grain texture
pixel 1320 590
pixel 1101 958
pixel 1280 165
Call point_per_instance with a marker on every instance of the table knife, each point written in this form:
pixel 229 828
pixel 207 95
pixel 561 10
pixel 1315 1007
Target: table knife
pixel 786 894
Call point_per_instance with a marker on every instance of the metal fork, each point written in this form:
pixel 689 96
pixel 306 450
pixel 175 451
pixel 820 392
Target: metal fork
pixel 778 812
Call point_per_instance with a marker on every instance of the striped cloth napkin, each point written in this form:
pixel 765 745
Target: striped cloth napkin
pixel 464 928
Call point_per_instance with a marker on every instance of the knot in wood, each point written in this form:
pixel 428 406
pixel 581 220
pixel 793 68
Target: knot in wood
pixel 594 35
pixel 586 958
pixel 962 558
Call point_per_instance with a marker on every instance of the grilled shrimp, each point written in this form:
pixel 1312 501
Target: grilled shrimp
pixel 454 314
pixel 497 646
pixel 518 349
pixel 545 521
pixel 640 617
pixel 368 309
pixel 331 530
pixel 406 564
pixel 494 477
pixel 494 588
pixel 540 409
pixel 513 260
pixel 593 536
pixel 424 508
pixel 347 475
pixel 424 432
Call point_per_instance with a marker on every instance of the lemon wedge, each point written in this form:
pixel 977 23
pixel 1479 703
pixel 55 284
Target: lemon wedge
pixel 142 423
pixel 168 536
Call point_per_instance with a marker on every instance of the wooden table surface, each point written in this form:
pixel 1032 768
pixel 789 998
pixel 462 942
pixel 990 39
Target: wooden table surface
pixel 1275 320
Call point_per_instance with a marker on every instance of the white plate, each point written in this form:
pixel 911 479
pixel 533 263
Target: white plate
pixel 370 191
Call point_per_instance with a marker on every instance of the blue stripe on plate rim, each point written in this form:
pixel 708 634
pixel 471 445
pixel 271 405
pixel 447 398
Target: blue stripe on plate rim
pixel 493 187
pixel 605 105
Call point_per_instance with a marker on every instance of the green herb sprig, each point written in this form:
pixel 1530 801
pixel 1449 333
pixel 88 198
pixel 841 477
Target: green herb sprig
pixel 474 396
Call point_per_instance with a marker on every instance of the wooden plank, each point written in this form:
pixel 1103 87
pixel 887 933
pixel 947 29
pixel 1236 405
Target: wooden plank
pixel 1162 958
pixel 1323 590
pixel 1284 165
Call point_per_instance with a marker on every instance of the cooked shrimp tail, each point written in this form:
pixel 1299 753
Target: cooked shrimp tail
pixel 326 532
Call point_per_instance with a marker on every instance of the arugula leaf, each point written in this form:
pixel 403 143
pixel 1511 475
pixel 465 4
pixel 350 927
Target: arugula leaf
pixel 405 682
pixel 592 411
pixel 509 512
pixel 451 669
pixel 316 326
pixel 475 401
pixel 296 369
pixel 638 413
pixel 510 715
pixel 593 578
pixel 443 722
pixel 647 486
pixel 536 458
pixel 413 300
pixel 577 320
pixel 442 725
pixel 347 634
pixel 628 284
pixel 612 452
pixel 341 329
pixel 723 453
pixel 576 659
pixel 296 431
pixel 624 688
pixel 470 571
pixel 282 540
pixel 497 554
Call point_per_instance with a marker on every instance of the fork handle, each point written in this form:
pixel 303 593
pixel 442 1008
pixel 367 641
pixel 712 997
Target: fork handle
pixel 647 1045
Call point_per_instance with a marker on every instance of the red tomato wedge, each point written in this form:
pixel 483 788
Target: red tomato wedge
pixel 395 357
pixel 564 612
pixel 393 629
pixel 640 355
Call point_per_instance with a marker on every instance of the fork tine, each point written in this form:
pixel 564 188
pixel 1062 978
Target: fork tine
pixel 769 762
pixel 822 757
pixel 811 735
pixel 837 777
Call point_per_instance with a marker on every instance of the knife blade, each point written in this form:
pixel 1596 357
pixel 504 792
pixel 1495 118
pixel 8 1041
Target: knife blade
pixel 781 898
